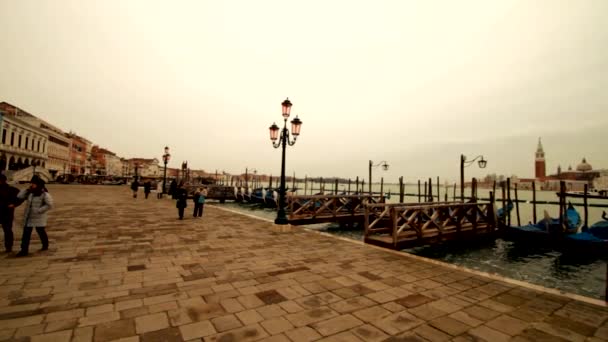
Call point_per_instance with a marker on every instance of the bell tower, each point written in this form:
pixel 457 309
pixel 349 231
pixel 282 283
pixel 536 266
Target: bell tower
pixel 539 164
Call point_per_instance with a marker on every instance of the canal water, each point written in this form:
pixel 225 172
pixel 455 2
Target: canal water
pixel 579 274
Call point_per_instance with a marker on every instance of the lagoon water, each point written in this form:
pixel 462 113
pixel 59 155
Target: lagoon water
pixel 580 274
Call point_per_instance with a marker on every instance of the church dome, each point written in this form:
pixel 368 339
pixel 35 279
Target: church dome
pixel 584 166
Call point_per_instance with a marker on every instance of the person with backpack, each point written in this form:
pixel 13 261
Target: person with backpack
pixel 199 202
pixel 39 203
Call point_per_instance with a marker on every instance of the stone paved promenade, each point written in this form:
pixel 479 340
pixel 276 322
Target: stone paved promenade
pixel 128 270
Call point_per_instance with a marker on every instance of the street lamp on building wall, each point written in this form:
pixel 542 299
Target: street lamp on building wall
pixel 464 163
pixel 371 165
pixel 296 124
pixel 166 158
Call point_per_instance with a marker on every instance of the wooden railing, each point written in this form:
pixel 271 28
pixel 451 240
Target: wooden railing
pixel 419 223
pixel 327 207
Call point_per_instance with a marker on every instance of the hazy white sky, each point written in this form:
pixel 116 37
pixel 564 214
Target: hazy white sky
pixel 415 83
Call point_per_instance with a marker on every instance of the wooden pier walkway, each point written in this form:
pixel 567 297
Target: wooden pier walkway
pixel 401 225
pixel 345 209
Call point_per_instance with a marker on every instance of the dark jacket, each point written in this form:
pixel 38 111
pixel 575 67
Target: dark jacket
pixel 172 189
pixel 182 198
pixel 196 196
pixel 8 196
pixel 134 185
pixel 147 187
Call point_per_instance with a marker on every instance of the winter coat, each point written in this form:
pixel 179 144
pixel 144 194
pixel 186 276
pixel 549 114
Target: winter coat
pixel 37 207
pixel 182 198
pixel 8 196
pixel 134 186
pixel 147 187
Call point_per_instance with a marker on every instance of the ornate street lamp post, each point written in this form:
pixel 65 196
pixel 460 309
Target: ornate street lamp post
pixel 464 163
pixel 371 165
pixel 166 158
pixel 296 124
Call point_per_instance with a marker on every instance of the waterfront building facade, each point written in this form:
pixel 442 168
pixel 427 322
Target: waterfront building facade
pixel 22 145
pixel 79 160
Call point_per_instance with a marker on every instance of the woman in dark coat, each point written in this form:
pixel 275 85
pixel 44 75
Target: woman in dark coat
pixel 182 200
pixel 134 187
pixel 147 188
pixel 172 189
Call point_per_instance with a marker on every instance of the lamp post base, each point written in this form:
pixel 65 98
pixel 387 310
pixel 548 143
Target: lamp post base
pixel 281 220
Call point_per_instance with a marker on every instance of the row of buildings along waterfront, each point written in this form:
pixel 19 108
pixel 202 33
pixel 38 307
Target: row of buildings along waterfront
pixel 574 178
pixel 30 144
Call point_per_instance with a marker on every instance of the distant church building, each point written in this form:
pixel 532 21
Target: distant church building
pixel 539 166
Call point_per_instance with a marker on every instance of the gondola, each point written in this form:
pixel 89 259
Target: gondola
pixel 548 229
pixel 590 240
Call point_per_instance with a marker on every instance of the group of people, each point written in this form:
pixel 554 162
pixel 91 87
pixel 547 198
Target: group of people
pixel 181 195
pixel 147 189
pixel 39 203
pixel 178 192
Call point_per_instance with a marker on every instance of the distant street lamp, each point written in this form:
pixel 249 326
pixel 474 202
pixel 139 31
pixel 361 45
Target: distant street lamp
pixel 464 163
pixel 296 124
pixel 371 165
pixel 166 158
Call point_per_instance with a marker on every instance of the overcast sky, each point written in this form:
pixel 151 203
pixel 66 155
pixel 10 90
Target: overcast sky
pixel 414 83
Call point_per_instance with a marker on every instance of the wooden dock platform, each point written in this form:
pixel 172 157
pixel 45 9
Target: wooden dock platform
pixel 401 225
pixel 310 209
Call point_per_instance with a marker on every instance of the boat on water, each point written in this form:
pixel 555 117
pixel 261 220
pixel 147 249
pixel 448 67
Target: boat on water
pixel 548 228
pixel 592 239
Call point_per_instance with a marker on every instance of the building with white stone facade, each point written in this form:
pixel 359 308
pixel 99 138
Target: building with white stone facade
pixel 22 145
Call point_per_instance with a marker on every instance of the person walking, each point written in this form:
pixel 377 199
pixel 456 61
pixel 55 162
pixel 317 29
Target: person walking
pixel 172 189
pixel 182 200
pixel 147 188
pixel 8 202
pixel 159 190
pixel 200 202
pixel 134 187
pixel 39 203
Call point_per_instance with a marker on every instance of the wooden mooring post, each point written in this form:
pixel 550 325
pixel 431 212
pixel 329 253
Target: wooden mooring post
pixel 336 186
pixel 348 192
pixel 534 202
pixel 504 202
pixel 585 204
pixel 401 190
pixel 425 192
pixel 382 187
pixel 561 203
pixel 517 205
pixel 430 198
pixel 419 191
pixel 509 200
pixel 362 184
pixel 438 193
pixel 454 196
pixel 357 185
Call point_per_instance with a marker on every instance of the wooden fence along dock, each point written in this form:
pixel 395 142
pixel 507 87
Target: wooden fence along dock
pixel 401 225
pixel 344 209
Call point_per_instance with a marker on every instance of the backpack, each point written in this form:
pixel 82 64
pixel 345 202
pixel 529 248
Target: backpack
pixel 201 199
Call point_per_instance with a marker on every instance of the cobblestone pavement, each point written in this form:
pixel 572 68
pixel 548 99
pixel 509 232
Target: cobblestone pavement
pixel 127 270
